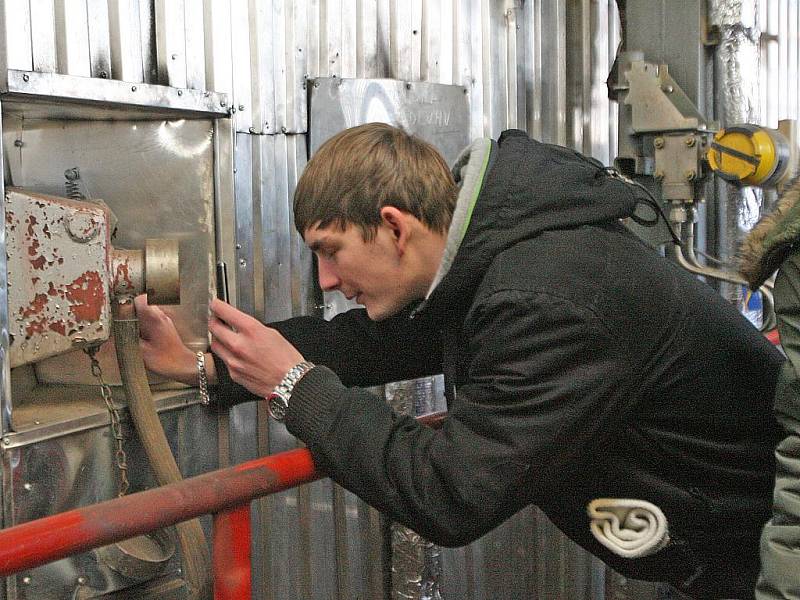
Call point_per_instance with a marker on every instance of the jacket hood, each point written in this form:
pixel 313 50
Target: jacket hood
pixel 529 188
pixel 769 242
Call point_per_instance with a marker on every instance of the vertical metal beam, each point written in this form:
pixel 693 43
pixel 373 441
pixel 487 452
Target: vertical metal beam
pixel 552 34
pixel 5 364
pixel 15 33
pixel 231 554
pixel 171 42
pixel 43 35
pixel 125 34
pixel 72 38
pixel 99 42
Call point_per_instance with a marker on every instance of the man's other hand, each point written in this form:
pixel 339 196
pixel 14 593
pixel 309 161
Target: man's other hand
pixel 257 356
pixel 162 349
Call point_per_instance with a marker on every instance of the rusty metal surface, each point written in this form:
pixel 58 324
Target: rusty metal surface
pixel 58 279
pixel 157 178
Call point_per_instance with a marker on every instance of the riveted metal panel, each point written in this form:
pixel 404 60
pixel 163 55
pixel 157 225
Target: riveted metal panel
pixel 43 35
pixel 72 38
pixel 15 19
pixel 125 37
pixel 99 40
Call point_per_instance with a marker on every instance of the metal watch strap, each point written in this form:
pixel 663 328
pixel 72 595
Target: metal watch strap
pixel 278 400
pixel 202 377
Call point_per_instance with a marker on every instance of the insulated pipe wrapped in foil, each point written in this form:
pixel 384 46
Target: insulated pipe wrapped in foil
pixel 416 562
pixel 736 100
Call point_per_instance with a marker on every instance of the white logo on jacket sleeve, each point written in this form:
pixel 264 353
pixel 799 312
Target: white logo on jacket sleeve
pixel 628 527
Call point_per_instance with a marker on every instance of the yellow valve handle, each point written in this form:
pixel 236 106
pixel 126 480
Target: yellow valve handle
pixel 746 154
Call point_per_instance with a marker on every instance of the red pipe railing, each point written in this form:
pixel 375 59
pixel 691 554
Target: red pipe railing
pixel 225 493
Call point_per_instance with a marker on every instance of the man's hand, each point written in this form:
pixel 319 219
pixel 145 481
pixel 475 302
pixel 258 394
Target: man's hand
pixel 257 356
pixel 162 349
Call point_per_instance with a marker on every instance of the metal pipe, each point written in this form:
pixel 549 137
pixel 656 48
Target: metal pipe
pixel 38 542
pixel 737 100
pixel 44 540
pixel 685 257
pixel 231 551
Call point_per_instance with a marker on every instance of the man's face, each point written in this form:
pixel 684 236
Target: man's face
pixel 369 272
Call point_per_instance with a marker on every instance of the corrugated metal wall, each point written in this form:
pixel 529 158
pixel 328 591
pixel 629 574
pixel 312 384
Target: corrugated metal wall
pixel 540 65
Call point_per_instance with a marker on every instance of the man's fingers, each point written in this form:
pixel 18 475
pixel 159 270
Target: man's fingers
pixel 230 315
pixel 221 332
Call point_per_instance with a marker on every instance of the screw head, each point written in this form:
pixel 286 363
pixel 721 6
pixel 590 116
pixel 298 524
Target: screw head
pixel 690 141
pixel 133 88
pixel 690 175
pixel 81 580
pixel 241 107
pixel 6 441
pixel 26 77
pixel 18 143
pixel 26 580
pixel 180 92
pixel 658 142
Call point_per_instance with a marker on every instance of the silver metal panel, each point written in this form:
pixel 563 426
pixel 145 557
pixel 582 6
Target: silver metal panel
pixel 367 46
pixel 125 37
pixel 65 96
pixel 5 360
pixel 401 50
pixel 476 55
pixel 171 42
pixel 147 19
pixel 550 30
pixel 195 45
pixel 297 68
pixel 72 38
pixel 43 35
pixel 99 41
pixel 46 95
pixel 15 21
pixel 219 57
pixel 242 71
pixel 435 112
pixel 263 116
pixel 76 470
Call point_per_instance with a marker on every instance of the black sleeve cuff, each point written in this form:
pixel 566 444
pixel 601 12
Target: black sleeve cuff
pixel 227 392
pixel 312 401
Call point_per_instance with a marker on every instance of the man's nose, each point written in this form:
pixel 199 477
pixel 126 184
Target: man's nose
pixel 328 280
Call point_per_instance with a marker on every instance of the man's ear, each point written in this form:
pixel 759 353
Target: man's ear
pixel 399 224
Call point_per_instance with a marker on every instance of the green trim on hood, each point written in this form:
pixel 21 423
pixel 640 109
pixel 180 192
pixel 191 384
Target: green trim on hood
pixel 476 192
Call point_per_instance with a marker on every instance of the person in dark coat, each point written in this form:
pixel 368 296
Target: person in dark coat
pixel 773 246
pixel 584 373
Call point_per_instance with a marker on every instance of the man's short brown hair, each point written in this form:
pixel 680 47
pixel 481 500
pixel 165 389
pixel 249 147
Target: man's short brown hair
pixel 362 169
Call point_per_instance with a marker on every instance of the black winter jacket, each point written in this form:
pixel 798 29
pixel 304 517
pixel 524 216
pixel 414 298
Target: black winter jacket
pixel 578 364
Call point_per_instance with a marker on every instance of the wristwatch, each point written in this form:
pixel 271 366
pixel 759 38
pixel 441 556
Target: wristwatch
pixel 278 400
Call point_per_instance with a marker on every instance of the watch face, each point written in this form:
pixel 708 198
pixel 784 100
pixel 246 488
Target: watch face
pixel 277 406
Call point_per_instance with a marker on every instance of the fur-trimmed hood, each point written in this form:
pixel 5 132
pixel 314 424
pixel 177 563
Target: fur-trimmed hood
pixel 768 244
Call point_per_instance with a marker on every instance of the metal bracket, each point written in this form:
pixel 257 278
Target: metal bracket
pixel 658 104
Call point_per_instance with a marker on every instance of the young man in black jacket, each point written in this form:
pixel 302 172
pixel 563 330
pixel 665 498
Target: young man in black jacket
pixel 584 373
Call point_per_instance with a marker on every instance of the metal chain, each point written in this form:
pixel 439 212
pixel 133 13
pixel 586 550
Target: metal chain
pixel 116 424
